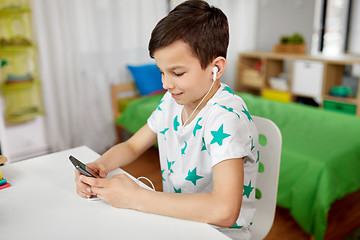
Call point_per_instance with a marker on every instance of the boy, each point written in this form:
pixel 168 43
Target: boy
pixel 207 139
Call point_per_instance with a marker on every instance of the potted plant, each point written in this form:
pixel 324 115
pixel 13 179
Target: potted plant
pixel 291 44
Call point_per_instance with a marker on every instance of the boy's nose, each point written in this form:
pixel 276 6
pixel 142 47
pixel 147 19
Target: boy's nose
pixel 167 83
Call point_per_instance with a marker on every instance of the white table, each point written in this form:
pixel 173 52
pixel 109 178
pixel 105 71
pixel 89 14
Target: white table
pixel 42 204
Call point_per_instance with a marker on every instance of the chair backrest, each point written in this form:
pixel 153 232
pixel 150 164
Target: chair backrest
pixel 267 181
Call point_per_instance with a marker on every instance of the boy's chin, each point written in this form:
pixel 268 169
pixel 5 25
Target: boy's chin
pixel 178 101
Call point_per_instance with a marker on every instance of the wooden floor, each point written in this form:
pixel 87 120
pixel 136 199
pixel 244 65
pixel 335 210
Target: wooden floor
pixel 344 216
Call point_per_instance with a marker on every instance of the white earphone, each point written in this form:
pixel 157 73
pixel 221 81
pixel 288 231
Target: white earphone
pixel 215 70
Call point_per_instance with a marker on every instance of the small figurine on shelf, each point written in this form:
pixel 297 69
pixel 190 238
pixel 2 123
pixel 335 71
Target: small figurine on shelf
pixel 3 181
pixel 340 91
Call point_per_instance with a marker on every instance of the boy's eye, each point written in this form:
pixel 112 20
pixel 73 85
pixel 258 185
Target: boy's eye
pixel 178 74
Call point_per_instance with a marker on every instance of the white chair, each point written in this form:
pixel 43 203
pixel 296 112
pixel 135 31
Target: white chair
pixel 268 177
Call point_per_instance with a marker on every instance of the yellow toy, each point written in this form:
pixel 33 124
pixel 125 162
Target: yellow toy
pixel 2 160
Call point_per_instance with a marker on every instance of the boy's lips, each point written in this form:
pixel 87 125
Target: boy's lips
pixel 176 95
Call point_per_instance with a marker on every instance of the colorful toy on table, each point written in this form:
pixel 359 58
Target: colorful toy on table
pixel 3 181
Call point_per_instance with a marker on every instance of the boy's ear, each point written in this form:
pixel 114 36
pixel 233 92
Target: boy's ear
pixel 220 63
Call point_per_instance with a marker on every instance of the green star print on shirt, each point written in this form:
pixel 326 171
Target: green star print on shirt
pixel 184 148
pixel 219 135
pixel 197 126
pixel 176 123
pixel 246 112
pixel 204 145
pixel 159 108
pixel 192 176
pixel 228 89
pixel 170 165
pixel 177 190
pixel 164 131
pixel 247 190
pixel 230 109
pixel 162 174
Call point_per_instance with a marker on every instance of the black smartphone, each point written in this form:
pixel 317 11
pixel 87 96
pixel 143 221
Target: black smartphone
pixel 82 168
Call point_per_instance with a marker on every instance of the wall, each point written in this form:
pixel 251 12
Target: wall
pixel 284 17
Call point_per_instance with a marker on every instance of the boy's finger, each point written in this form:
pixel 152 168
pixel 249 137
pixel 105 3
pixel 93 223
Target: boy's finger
pixel 94 182
pixel 97 190
pixel 103 173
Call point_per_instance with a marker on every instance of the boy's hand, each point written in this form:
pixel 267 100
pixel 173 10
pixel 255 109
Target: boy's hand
pixel 119 191
pixel 84 189
pixel 100 168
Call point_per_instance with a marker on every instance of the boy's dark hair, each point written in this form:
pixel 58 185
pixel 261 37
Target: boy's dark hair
pixel 205 29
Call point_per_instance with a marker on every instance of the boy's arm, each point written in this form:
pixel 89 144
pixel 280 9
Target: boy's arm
pixel 220 207
pixel 124 153
pixel 117 156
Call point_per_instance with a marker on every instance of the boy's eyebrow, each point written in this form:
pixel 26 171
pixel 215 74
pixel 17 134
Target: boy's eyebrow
pixel 174 67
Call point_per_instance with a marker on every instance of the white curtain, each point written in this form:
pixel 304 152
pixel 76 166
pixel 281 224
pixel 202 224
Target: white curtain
pixel 84 47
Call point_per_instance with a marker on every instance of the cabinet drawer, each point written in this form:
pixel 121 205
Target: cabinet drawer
pixel 340 107
pixel 307 78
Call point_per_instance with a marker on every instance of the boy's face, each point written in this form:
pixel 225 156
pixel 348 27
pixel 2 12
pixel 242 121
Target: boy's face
pixel 182 74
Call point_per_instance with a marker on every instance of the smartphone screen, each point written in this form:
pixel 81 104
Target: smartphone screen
pixel 82 168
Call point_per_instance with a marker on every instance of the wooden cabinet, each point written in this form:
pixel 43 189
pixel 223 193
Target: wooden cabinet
pixel 289 77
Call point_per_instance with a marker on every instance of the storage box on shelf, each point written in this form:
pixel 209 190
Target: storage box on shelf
pixel 14 4
pixel 308 79
pixel 276 95
pixel 334 72
pixel 251 71
pixel 15 26
pixel 22 101
pixel 340 107
pixel 308 76
pixel 19 63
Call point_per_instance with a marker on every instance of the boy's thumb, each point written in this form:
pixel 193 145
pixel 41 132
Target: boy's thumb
pixel 103 173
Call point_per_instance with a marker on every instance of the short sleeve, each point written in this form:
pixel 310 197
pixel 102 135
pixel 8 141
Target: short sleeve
pixel 230 135
pixel 153 120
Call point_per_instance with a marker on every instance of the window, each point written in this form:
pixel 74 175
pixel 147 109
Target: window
pixel 331 26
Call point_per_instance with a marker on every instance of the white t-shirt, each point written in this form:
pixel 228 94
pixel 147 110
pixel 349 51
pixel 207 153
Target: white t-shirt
pixel 222 130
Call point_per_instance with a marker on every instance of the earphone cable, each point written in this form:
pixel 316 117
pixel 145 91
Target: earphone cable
pixel 197 105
